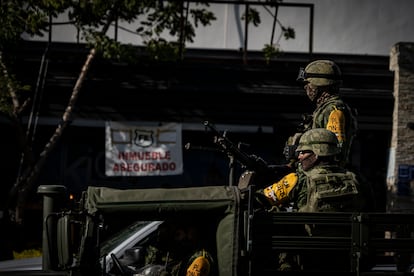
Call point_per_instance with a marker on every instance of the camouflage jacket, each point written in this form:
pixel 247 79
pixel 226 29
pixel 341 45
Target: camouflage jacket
pixel 345 131
pixel 327 188
pixel 334 115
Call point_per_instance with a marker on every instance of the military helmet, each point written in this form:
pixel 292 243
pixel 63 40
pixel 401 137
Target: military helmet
pixel 320 73
pixel 319 140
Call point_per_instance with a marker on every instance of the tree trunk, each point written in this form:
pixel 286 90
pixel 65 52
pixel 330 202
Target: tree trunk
pixel 25 183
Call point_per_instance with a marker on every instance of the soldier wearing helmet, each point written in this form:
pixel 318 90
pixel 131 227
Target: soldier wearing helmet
pixel 320 73
pixel 319 184
pixel 318 177
pixel 322 80
pixel 317 143
pixel 325 186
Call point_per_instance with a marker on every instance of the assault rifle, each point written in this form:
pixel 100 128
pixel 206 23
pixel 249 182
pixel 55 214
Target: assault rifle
pixel 264 174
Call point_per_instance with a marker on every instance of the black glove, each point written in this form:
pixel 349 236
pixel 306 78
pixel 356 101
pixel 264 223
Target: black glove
pixel 289 151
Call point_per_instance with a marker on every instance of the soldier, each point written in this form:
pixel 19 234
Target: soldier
pixel 180 250
pixel 318 168
pixel 319 184
pixel 322 80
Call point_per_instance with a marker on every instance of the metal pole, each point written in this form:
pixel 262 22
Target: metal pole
pixel 246 31
pixel 50 195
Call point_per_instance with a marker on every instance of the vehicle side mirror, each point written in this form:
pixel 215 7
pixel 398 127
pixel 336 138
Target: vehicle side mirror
pixel 63 242
pixel 135 256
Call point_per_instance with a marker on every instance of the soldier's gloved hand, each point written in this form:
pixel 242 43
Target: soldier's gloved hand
pixel 289 151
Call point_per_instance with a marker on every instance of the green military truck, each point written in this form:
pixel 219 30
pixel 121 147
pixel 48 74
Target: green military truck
pixel 245 240
pixel 109 230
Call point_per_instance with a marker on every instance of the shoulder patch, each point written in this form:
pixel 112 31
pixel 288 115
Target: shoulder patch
pixel 336 124
pixel 199 267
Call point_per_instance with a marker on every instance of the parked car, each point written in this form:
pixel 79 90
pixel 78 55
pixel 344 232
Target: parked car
pixel 131 236
pixel 34 263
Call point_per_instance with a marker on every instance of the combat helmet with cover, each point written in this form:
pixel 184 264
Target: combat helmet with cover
pixel 320 73
pixel 319 140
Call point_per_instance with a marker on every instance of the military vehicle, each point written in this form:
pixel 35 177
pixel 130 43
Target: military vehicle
pixel 245 239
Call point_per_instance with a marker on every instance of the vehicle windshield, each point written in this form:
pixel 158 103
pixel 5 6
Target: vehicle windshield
pixel 108 245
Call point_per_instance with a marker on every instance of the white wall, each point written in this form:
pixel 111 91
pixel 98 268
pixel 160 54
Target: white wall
pixel 362 26
pixel 340 26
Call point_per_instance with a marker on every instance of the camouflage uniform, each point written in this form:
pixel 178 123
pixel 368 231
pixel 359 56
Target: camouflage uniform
pixel 323 186
pixel 331 111
pixel 345 132
pixel 326 188
pixel 180 251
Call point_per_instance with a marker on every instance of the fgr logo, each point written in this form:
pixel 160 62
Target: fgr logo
pixel 143 138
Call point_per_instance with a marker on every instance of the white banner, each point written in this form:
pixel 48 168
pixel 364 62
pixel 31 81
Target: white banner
pixel 143 150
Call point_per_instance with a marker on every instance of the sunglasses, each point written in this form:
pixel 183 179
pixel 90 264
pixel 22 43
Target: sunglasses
pixel 304 152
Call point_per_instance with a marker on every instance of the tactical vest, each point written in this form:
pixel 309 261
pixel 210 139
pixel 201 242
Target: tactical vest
pixel 331 192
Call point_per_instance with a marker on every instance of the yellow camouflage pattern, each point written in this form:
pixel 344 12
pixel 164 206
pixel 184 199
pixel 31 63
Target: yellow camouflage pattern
pixel 199 267
pixel 278 192
pixel 336 124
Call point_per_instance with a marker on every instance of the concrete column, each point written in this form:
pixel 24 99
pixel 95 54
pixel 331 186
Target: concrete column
pixel 400 177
